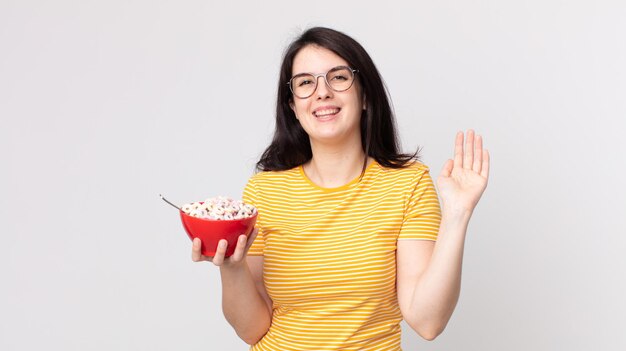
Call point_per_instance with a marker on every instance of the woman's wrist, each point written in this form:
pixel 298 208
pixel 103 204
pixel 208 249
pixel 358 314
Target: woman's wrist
pixel 233 267
pixel 455 214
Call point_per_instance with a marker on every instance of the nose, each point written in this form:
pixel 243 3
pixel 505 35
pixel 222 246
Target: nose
pixel 323 90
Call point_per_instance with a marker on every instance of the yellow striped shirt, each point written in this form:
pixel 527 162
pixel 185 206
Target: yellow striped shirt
pixel 330 254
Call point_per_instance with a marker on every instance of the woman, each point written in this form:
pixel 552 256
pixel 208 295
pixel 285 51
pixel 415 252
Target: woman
pixel 350 237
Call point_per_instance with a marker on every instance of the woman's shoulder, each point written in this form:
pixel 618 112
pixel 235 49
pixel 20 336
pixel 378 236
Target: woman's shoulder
pixel 401 179
pixel 413 168
pixel 404 179
pixel 274 176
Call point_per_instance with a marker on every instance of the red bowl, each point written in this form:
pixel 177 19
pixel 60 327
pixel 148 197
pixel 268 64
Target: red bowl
pixel 211 231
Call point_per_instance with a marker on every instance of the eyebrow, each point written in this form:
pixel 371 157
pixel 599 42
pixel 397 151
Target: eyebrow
pixel 311 73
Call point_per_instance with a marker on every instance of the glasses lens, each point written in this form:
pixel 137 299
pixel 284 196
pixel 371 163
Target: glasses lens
pixel 340 78
pixel 303 85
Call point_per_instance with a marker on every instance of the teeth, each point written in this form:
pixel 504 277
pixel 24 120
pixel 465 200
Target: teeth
pixel 321 113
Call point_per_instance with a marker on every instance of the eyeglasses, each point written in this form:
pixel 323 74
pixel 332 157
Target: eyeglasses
pixel 339 79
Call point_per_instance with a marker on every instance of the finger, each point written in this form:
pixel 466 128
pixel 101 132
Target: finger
pixel 239 249
pixel 485 167
pixel 468 158
pixel 196 255
pixel 447 168
pixel 251 238
pixel 458 150
pixel 220 252
pixel 478 154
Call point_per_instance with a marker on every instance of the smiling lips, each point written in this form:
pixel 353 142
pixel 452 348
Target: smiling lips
pixel 326 111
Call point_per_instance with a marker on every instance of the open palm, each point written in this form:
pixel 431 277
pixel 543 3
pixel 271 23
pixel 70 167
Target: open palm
pixel 463 180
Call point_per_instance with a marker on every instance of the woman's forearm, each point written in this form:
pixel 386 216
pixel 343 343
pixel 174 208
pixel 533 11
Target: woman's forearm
pixel 437 290
pixel 243 306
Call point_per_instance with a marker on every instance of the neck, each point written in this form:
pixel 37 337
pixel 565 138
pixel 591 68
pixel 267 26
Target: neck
pixel 335 165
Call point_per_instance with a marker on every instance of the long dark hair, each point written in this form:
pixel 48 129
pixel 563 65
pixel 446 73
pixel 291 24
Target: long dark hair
pixel 291 147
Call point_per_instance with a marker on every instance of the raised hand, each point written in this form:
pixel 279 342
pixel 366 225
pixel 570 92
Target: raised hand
pixel 463 180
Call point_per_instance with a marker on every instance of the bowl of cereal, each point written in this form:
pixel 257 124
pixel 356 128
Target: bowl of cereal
pixel 215 219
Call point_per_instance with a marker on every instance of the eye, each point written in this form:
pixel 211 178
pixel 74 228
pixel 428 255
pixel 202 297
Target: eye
pixel 339 74
pixel 304 82
pixel 339 77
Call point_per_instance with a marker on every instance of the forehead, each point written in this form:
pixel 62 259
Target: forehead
pixel 315 59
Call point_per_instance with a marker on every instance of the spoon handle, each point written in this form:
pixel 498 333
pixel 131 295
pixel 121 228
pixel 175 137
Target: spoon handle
pixel 164 199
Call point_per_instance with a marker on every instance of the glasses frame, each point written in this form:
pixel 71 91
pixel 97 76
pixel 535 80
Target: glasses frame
pixel 325 75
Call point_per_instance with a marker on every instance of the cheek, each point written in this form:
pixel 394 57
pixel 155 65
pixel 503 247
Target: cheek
pixel 300 107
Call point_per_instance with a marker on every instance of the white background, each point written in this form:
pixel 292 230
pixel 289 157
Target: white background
pixel 106 104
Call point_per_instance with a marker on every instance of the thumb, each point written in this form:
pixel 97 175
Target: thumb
pixel 447 168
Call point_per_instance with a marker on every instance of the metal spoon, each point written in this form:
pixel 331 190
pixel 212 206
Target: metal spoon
pixel 164 199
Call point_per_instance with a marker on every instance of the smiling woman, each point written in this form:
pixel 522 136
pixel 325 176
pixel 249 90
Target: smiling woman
pixel 330 118
pixel 291 145
pixel 350 235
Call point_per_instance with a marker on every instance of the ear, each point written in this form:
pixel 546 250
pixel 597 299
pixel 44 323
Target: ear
pixel 364 103
pixel 293 108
